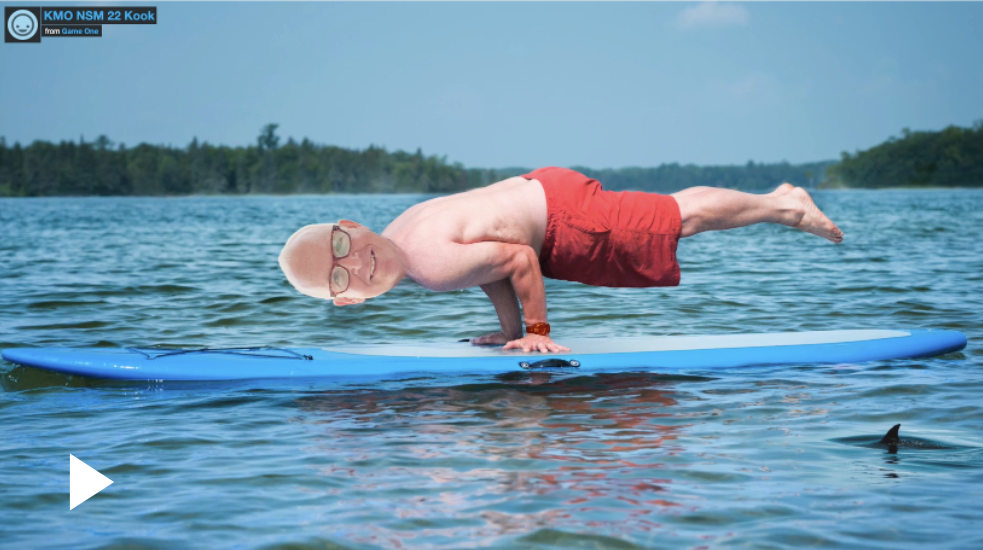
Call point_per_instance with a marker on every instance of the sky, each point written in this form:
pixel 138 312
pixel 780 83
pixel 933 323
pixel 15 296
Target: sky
pixel 603 85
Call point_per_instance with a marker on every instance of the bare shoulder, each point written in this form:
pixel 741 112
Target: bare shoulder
pixel 457 241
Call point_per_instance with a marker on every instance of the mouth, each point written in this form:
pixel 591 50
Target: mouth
pixel 372 269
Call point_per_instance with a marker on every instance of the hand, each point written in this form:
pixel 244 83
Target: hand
pixel 497 338
pixel 535 342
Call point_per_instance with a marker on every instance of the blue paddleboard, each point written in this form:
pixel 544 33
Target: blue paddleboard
pixel 589 355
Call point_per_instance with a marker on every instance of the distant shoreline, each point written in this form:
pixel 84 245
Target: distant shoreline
pixel 395 194
pixel 952 158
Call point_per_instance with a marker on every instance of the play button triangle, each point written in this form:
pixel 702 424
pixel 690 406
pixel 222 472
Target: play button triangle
pixel 84 481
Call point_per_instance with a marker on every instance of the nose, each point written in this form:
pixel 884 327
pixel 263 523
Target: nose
pixel 356 262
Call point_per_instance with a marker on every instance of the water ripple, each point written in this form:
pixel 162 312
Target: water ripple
pixel 725 459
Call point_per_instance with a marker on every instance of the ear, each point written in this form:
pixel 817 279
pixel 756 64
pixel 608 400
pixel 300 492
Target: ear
pixel 345 301
pixel 348 224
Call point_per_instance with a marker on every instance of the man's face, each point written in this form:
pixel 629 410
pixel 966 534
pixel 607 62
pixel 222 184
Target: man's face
pixel 23 25
pixel 373 263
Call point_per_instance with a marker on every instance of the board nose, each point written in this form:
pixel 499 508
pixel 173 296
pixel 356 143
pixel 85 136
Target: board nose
pixel 20 356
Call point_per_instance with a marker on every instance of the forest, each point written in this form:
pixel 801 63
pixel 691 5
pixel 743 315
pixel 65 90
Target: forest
pixel 952 157
pixel 101 167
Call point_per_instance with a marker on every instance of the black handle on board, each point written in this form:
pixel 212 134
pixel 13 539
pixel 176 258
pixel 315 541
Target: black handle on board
pixel 553 363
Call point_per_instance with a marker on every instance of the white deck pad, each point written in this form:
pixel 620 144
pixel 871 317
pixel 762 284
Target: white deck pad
pixel 635 344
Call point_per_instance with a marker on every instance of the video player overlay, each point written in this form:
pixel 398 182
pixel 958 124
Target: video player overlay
pixel 26 25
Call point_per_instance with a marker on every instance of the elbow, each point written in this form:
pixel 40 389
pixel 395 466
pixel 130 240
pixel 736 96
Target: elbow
pixel 524 262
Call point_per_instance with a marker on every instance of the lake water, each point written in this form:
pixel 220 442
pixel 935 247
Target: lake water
pixel 745 458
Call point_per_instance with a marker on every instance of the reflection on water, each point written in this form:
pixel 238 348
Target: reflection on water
pixel 511 454
pixel 770 457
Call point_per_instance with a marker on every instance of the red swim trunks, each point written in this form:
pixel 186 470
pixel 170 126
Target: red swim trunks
pixel 607 238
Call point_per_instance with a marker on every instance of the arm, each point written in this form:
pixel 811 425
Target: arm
pixel 503 297
pixel 484 263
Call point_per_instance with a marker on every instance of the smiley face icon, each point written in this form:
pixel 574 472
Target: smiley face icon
pixel 22 24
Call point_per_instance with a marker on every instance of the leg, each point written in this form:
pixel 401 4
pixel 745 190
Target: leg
pixel 691 191
pixel 714 209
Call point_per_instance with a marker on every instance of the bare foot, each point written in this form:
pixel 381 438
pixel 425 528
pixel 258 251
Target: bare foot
pixel 814 221
pixel 783 189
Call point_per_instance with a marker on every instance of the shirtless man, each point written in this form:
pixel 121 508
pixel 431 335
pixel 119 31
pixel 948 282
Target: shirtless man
pixel 506 237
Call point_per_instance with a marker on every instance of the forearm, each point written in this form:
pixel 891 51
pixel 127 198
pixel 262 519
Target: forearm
pixel 507 272
pixel 503 297
pixel 527 280
pixel 515 275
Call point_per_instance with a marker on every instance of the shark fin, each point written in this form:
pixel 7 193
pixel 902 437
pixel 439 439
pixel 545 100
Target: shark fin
pixel 892 437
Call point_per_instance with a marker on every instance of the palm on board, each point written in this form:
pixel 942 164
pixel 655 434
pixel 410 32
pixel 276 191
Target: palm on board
pixel 531 342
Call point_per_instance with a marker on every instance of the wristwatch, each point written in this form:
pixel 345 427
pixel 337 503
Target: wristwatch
pixel 542 329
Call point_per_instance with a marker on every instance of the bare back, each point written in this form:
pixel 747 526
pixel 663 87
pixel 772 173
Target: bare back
pixel 510 211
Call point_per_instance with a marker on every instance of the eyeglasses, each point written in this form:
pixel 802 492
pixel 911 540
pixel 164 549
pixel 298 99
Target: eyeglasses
pixel 341 245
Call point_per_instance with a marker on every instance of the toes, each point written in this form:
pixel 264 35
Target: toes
pixel 814 221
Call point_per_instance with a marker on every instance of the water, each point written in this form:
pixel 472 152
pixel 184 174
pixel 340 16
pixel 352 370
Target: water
pixel 743 458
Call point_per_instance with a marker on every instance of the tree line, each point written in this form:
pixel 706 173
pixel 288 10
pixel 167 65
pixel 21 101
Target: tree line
pixel 669 178
pixel 952 157
pixel 100 167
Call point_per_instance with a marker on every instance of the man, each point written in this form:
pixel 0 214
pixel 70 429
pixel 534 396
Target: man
pixel 506 237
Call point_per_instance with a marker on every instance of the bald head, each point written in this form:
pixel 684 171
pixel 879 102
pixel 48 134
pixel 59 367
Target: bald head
pixel 307 259
pixel 372 265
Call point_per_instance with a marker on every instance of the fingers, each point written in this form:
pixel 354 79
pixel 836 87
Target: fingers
pixel 521 344
pixel 527 345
